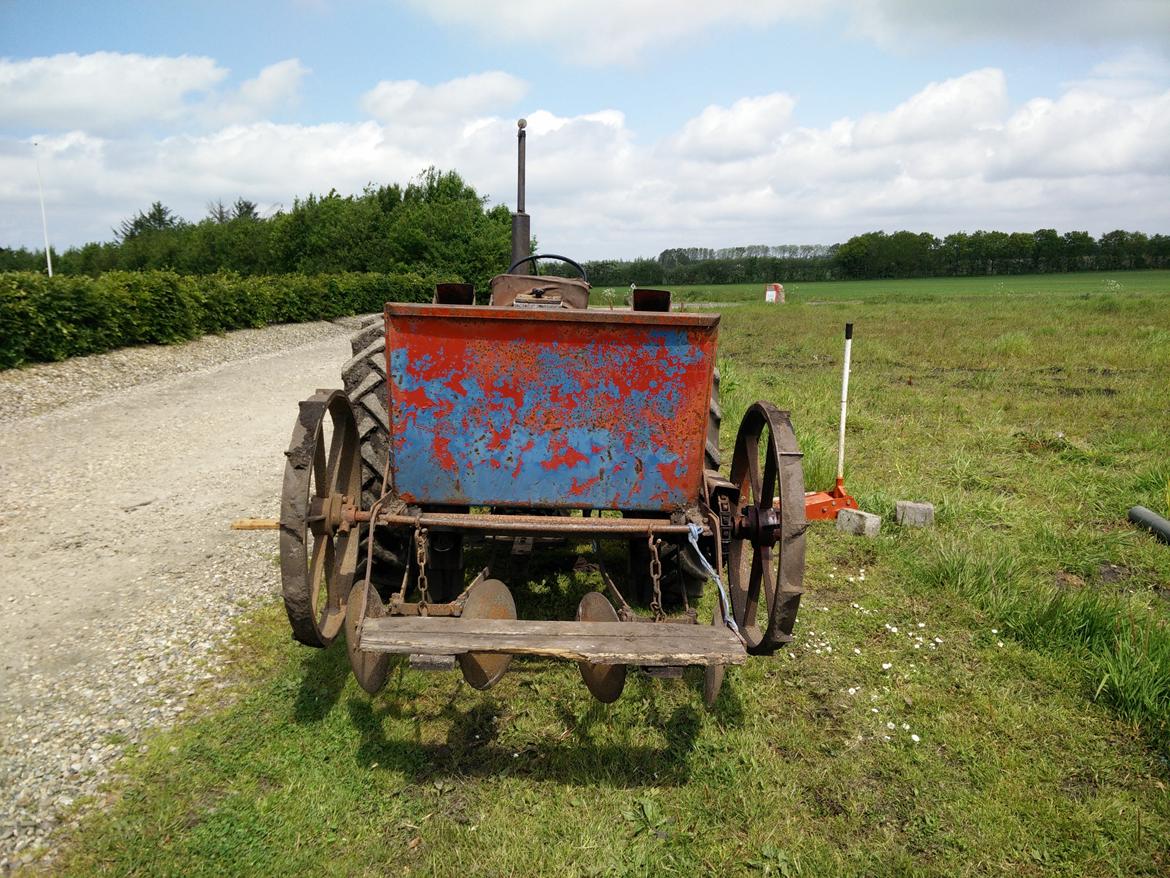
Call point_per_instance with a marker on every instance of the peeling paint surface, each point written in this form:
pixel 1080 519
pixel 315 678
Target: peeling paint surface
pixel 558 409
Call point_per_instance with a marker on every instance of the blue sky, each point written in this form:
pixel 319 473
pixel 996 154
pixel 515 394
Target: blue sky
pixel 654 124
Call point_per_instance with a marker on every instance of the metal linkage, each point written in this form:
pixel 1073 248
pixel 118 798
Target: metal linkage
pixel 420 557
pixel 624 611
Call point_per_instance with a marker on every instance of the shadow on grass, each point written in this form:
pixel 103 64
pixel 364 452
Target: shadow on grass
pixel 472 747
pixel 324 675
pixel 547 590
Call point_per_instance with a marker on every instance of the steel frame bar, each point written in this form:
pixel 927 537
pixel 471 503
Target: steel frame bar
pixel 540 525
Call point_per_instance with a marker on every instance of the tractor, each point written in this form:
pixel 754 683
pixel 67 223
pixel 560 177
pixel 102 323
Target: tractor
pixel 525 422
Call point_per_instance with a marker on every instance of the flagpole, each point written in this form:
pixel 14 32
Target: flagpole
pixel 44 218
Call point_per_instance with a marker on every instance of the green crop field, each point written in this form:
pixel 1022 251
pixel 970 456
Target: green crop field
pixel 989 696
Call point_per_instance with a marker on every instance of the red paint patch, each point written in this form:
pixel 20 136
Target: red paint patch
pixel 528 446
pixel 562 454
pixel 443 455
pixel 670 475
pixel 578 488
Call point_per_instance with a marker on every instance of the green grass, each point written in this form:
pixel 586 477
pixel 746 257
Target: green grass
pixel 1030 655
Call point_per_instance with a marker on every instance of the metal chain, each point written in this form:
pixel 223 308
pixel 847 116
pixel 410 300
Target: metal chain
pixel 420 557
pixel 655 579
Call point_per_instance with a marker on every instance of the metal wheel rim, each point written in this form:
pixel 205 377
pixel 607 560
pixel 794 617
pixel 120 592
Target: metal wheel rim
pixel 318 558
pixel 773 570
pixel 713 674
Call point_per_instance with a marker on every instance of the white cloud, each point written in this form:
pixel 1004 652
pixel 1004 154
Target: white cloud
pixel 893 23
pixel 955 155
pixel 408 102
pixel 622 31
pixel 608 31
pixel 101 91
pixel 940 111
pixel 276 87
pixel 108 92
pixel 1085 133
pixel 746 128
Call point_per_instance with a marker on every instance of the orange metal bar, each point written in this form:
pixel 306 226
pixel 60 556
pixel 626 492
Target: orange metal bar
pixel 824 505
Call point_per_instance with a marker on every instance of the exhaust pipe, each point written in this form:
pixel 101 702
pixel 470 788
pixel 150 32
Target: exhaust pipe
pixel 521 222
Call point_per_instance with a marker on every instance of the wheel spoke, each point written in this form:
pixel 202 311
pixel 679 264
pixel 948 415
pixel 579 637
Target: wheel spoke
pixel 317 575
pixel 736 581
pixel 768 493
pixel 335 457
pixel 767 568
pixel 320 471
pixel 332 597
pixel 752 604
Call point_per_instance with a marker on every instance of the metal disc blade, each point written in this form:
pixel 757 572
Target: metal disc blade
pixel 713 675
pixel 605 682
pixel 370 668
pixel 489 599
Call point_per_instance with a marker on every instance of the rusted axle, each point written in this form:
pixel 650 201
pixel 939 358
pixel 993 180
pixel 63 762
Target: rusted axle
pixel 540 525
pixel 504 525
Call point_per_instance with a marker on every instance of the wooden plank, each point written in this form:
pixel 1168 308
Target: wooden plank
pixel 618 643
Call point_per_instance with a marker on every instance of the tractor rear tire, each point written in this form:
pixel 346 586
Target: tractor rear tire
pixel 364 377
pixel 711 455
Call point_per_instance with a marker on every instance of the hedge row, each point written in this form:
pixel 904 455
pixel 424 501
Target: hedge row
pixel 44 319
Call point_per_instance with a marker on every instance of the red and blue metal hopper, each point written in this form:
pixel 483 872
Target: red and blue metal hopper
pixel 529 418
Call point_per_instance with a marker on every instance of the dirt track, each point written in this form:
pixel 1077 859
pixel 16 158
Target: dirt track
pixel 118 562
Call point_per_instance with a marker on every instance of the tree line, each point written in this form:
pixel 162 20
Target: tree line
pixel 436 224
pixel 901 254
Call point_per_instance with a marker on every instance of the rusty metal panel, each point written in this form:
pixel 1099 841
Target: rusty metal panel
pixel 550 409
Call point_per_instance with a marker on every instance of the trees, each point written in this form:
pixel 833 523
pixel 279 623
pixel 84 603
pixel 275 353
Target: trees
pixel 158 218
pixel 435 223
pixel 438 223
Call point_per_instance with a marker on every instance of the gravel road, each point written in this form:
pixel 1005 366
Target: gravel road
pixel 121 475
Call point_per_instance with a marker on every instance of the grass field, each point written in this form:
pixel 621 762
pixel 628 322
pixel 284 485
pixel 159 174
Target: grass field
pixel 991 696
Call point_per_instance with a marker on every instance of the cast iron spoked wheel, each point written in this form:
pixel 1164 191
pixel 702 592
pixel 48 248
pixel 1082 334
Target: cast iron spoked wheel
pixel 765 565
pixel 318 555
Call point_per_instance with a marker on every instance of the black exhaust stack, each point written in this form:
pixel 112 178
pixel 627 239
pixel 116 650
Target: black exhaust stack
pixel 521 222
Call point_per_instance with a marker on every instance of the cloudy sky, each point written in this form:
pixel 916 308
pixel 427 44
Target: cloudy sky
pixel 652 123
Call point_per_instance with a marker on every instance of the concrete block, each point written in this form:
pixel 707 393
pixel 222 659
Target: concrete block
pixel 858 523
pixel 910 514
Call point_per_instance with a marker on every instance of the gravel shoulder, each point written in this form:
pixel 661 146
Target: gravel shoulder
pixel 121 475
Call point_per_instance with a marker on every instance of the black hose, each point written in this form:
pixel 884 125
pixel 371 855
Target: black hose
pixel 1151 521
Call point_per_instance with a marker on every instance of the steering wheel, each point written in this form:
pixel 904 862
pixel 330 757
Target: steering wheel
pixel 535 256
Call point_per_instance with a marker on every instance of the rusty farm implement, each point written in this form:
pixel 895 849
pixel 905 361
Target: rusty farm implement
pixel 524 422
